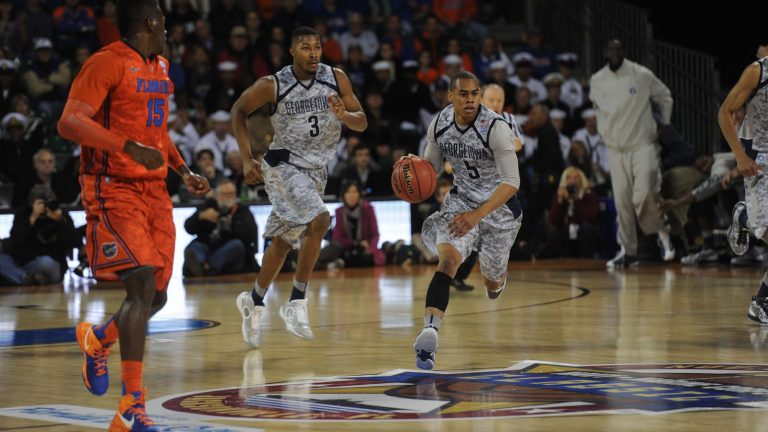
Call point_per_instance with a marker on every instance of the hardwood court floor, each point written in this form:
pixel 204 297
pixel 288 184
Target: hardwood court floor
pixel 365 322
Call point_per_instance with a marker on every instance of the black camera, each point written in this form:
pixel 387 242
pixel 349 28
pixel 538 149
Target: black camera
pixel 571 189
pixel 52 205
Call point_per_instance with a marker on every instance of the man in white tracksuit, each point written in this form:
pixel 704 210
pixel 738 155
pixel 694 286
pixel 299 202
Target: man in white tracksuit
pixel 622 92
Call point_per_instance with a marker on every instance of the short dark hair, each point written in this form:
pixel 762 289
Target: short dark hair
pixel 300 32
pixel 463 75
pixel 131 13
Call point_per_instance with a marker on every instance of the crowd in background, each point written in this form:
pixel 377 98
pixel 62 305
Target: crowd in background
pixel 399 55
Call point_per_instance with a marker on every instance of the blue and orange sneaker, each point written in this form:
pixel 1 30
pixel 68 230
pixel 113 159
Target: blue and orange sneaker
pixel 132 415
pixel 95 373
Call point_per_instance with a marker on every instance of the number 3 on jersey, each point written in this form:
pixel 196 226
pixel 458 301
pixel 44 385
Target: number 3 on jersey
pixel 155 112
pixel 315 129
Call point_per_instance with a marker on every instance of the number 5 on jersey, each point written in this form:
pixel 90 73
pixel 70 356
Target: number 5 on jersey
pixel 473 172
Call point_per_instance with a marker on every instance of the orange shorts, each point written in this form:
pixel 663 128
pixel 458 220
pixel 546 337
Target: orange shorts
pixel 129 224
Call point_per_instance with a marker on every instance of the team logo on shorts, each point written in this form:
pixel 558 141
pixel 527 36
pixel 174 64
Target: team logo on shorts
pixel 109 250
pixel 633 90
pixel 527 389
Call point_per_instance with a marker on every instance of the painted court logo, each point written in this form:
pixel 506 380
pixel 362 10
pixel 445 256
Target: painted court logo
pixel 527 389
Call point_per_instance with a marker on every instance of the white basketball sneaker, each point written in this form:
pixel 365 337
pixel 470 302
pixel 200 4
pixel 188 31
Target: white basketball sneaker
pixel 426 347
pixel 296 318
pixel 251 319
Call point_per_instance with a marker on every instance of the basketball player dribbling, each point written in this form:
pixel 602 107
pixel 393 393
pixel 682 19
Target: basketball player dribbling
pixel 117 110
pixel 481 212
pixel 310 101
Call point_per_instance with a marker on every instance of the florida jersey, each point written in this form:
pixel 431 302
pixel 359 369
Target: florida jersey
pixel 130 95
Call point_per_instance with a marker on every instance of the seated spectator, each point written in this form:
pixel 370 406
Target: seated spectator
pixel 406 88
pixel 42 236
pixel 558 118
pixel 598 151
pixel 358 70
pixel 454 48
pixel 75 26
pixel 182 12
pixel 106 26
pixel 490 53
pixel 458 16
pixel 16 151
pixel 219 141
pixel 204 166
pixel 542 57
pixel 238 53
pixel 47 79
pixel 357 35
pixel 371 181
pixel 10 85
pixel 427 72
pixel 355 238
pixel 183 133
pixel 573 214
pixel 33 22
pixel 405 47
pixel 63 185
pixel 522 102
pixel 331 47
pixel 523 77
pixel 226 235
pixel 225 90
pixel 572 93
pixel 431 37
pixel 578 156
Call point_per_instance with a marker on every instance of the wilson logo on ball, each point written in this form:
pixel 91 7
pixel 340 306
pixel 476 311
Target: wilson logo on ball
pixel 414 179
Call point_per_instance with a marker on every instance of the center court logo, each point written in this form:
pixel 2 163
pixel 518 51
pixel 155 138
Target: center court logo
pixel 527 389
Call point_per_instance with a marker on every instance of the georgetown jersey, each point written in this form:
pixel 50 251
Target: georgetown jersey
pixel 303 121
pixel 755 124
pixel 475 175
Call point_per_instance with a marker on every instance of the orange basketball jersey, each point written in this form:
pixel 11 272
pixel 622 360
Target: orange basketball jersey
pixel 130 94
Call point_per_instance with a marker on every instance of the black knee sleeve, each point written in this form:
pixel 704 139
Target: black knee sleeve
pixel 439 291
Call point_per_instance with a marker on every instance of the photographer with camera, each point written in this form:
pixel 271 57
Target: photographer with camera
pixel 41 238
pixel 226 236
pixel 573 214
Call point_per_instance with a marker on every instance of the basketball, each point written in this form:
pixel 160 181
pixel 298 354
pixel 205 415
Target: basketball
pixel 414 180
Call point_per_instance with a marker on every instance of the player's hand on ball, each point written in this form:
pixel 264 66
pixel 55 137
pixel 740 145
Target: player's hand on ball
pixel 148 157
pixel 406 157
pixel 463 223
pixel 337 106
pixel 196 184
pixel 252 171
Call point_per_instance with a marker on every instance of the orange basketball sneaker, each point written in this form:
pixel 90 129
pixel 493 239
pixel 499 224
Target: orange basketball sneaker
pixel 95 373
pixel 131 415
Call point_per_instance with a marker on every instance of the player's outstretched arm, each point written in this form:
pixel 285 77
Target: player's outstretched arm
pixel 347 108
pixel 254 97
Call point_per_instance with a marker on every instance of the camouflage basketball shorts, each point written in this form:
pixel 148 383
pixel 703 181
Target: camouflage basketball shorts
pixel 493 237
pixel 296 197
pixel 756 190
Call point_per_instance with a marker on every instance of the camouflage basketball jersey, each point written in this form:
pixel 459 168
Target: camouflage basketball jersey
pixel 474 167
pixel 756 120
pixel 303 121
